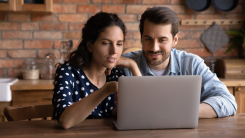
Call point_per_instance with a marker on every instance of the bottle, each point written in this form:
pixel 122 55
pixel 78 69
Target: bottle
pixel 47 69
pixel 30 69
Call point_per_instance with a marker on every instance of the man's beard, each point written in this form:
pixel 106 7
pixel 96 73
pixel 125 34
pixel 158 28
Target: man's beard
pixel 154 61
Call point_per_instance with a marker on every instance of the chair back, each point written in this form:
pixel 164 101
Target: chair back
pixel 23 112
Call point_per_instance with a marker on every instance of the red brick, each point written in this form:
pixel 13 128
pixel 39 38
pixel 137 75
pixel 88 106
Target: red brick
pixel 37 44
pixel 101 1
pixel 64 8
pixel 137 8
pixel 3 53
pixel 235 27
pixel 88 8
pixel 48 35
pixel 53 26
pixel 190 27
pixel 238 9
pixel 56 1
pixel 10 44
pixel 190 43
pixel 127 1
pixel 29 26
pixel 72 18
pixel 220 53
pixel 234 16
pixel 209 16
pixel 128 17
pixel 18 17
pixel 76 26
pixel 177 1
pixel 43 53
pixel 202 52
pixel 15 72
pixel 128 35
pixel 22 53
pixel 137 35
pixel 75 43
pixel 43 18
pixel 132 26
pixel 2 17
pixel 9 26
pixel 176 8
pixel 8 63
pixel 195 34
pixel 183 34
pixel 75 1
pixel 185 16
pixel 211 9
pixel 154 1
pixel 132 43
pixel 16 35
pixel 2 72
pixel 113 8
pixel 72 35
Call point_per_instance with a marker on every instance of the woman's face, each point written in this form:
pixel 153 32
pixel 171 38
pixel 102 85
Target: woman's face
pixel 108 48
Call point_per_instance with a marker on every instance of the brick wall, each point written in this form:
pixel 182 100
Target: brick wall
pixel 25 36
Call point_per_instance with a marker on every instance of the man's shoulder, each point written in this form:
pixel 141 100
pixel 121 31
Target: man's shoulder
pixel 133 55
pixel 183 56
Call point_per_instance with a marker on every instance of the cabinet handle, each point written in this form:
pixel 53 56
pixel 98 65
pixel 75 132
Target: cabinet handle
pixel 239 89
pixel 47 98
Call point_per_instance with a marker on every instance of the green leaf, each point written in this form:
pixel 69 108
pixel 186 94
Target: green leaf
pixel 230 48
pixel 236 33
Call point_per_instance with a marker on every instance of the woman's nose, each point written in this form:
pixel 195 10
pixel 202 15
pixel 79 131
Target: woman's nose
pixel 113 49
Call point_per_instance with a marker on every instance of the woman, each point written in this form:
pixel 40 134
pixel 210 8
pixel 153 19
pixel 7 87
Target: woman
pixel 81 88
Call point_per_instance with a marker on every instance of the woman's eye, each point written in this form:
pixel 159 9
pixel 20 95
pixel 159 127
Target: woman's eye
pixel 119 44
pixel 104 43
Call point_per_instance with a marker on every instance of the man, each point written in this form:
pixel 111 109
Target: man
pixel 159 34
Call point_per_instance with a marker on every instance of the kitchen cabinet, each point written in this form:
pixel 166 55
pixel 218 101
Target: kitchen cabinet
pixel 20 7
pixel 9 6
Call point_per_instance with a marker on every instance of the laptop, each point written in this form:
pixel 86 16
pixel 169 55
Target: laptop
pixel 158 102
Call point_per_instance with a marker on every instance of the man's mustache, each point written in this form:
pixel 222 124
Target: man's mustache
pixel 156 52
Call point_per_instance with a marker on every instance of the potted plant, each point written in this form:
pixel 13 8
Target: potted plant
pixel 237 40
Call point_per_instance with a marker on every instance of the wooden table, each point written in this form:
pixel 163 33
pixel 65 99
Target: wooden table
pixel 227 127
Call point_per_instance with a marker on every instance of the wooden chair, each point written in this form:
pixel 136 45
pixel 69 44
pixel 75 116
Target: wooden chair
pixel 23 112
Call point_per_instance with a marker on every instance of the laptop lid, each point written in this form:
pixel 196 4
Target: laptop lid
pixel 158 102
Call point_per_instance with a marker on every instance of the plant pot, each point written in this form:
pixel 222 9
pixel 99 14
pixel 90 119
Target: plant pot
pixel 241 51
pixel 34 1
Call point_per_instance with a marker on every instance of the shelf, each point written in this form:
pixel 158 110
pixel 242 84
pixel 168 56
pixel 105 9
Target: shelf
pixel 211 21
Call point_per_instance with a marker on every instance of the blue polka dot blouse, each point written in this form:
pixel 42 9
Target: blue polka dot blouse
pixel 71 85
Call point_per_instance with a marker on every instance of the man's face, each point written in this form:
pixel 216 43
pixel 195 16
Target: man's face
pixel 157 42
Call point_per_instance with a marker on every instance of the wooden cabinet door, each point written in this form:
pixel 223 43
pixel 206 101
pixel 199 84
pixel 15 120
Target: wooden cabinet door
pixel 240 99
pixel 32 96
pixel 9 6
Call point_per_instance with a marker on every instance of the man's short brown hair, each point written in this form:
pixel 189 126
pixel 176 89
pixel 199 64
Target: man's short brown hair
pixel 160 15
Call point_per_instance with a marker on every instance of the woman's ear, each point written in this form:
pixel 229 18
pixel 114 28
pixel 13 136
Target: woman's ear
pixel 175 40
pixel 89 47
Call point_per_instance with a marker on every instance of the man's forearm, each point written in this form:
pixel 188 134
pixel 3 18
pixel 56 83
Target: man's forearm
pixel 206 111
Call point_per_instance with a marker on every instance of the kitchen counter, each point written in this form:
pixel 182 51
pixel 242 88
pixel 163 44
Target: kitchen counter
pixel 48 84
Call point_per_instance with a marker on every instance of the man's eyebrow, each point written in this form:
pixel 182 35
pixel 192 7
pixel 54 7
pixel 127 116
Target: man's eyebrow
pixel 163 37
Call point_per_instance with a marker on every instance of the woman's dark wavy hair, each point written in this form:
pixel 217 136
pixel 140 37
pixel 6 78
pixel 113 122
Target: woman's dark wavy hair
pixel 81 57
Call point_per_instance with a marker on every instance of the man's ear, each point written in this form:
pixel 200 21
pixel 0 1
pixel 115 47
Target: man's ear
pixel 175 40
pixel 89 46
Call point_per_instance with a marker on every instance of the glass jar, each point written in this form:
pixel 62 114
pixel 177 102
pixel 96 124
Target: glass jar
pixel 47 69
pixel 30 70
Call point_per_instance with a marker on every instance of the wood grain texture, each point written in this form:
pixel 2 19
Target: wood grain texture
pixel 226 127
pixel 33 85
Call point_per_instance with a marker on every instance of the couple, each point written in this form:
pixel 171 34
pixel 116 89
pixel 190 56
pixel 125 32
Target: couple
pixel 86 85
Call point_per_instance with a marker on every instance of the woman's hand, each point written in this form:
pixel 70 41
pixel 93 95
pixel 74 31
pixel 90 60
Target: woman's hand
pixel 112 87
pixel 124 62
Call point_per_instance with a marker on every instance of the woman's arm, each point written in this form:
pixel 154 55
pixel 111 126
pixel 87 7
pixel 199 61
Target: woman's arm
pixel 80 110
pixel 127 63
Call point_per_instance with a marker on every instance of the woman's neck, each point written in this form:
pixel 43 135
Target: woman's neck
pixel 96 75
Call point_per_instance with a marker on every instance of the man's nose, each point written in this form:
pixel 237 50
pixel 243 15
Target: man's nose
pixel 155 46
